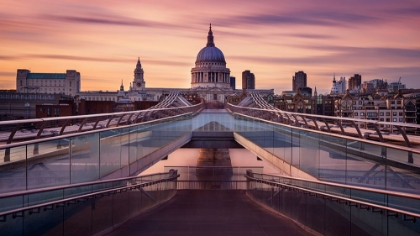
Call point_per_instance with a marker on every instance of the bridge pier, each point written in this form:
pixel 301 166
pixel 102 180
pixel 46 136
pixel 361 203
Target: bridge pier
pixel 210 157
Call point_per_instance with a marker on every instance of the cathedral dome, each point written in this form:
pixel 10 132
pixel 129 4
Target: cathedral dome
pixel 210 53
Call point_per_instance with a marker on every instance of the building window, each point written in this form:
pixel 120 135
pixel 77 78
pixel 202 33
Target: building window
pixel 400 114
pixel 356 114
pixel 381 114
pixel 401 119
pixel 398 102
pixel 394 113
pixel 394 119
pixel 362 114
pixel 388 113
pixel 392 102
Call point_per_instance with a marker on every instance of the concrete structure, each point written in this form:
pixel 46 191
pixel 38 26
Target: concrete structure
pixel 248 80
pixel 299 80
pixel 51 83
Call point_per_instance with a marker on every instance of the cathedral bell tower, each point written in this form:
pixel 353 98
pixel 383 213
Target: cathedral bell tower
pixel 138 82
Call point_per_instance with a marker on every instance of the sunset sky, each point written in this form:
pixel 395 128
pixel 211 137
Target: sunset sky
pixel 272 38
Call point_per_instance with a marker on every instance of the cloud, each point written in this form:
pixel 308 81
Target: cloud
pixel 104 59
pixel 409 11
pixel 312 36
pixel 7 74
pixel 302 17
pixel 6 58
pixel 372 52
pixel 107 20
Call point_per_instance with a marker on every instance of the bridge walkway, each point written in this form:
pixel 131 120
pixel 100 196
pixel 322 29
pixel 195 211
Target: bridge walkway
pixel 203 212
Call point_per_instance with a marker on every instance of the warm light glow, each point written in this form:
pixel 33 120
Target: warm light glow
pixel 103 39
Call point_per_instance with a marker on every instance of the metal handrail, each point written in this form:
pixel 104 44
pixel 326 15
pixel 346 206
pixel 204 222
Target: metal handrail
pixel 11 145
pixel 327 117
pixel 90 195
pixel 278 113
pixel 340 135
pixel 372 190
pixel 17 123
pixel 18 193
pixel 337 198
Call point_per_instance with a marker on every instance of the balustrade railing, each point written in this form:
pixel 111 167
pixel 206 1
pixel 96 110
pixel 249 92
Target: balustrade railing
pixel 337 209
pixel 27 129
pixel 392 132
pixel 85 209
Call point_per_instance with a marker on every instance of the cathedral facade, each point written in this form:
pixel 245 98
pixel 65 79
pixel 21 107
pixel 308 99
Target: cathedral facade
pixel 210 67
pixel 210 81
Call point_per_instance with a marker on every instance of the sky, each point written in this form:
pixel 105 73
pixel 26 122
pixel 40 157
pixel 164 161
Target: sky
pixel 102 39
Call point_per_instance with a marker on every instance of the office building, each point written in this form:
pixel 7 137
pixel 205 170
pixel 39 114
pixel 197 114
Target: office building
pixel 248 80
pixel 299 80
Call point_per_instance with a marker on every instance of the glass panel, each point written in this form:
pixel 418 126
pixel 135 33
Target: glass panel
pixel 13 169
pixel 125 144
pixel 333 159
pixel 309 153
pixel 78 218
pixel 133 150
pixel 295 148
pixel 43 221
pixel 110 152
pixel 48 164
pixel 43 197
pixel 85 158
pixel 10 203
pixel 101 214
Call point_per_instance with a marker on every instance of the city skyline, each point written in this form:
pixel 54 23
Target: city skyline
pixel 102 40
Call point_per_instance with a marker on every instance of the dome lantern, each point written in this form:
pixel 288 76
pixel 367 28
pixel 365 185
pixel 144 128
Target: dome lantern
pixel 210 38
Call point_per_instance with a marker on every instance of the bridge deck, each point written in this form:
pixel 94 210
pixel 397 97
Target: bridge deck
pixel 195 212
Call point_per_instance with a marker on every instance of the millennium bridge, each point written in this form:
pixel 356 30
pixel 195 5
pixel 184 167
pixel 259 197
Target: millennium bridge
pixel 81 175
